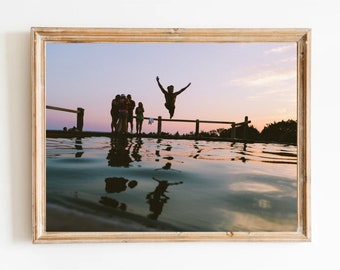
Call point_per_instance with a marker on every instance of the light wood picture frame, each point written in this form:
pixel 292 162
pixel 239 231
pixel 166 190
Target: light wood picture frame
pixel 42 41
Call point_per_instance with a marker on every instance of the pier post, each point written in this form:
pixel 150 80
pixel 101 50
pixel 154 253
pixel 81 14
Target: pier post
pixel 233 130
pixel 159 125
pixel 245 127
pixel 80 119
pixel 197 130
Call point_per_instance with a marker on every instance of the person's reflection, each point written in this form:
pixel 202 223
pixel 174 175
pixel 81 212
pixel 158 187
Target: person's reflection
pixel 168 148
pixel 135 150
pixel 112 203
pixel 118 184
pixel 166 167
pixel 157 151
pixel 157 198
pixel 119 154
pixel 79 146
pixel 243 158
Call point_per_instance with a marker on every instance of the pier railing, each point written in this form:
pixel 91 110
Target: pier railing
pixel 79 111
pixel 197 122
pixel 80 121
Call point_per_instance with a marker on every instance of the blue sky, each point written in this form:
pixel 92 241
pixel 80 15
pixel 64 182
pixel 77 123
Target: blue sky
pixel 228 81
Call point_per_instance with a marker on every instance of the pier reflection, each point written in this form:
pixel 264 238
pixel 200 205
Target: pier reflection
pixel 79 146
pixel 244 154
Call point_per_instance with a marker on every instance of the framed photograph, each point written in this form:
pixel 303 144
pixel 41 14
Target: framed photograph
pixel 146 135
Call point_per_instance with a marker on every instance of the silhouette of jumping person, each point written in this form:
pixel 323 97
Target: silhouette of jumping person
pixel 170 96
pixel 157 198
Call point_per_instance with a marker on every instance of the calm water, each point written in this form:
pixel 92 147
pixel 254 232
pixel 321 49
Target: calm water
pixel 99 184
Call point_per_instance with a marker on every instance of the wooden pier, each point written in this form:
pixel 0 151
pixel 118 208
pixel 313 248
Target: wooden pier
pixel 79 111
pixel 197 122
pixel 80 123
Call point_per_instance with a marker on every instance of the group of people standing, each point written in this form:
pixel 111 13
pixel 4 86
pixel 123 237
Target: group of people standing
pixel 122 108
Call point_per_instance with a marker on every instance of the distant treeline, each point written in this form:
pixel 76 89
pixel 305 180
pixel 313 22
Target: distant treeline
pixel 282 132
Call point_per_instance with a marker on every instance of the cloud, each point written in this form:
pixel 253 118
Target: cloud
pixel 267 81
pixel 266 78
pixel 278 68
pixel 281 49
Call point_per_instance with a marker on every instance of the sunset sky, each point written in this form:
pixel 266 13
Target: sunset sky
pixel 228 82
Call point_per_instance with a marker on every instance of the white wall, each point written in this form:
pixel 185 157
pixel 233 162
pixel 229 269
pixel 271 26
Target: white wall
pixel 16 18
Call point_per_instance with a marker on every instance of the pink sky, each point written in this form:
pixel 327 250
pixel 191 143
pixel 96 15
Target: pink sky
pixel 228 82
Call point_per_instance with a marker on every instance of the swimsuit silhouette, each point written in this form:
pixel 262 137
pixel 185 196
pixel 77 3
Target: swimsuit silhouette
pixel 170 96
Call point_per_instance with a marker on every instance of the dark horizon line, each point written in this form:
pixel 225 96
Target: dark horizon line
pixel 83 134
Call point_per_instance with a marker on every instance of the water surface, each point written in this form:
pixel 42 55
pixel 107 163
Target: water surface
pixel 144 184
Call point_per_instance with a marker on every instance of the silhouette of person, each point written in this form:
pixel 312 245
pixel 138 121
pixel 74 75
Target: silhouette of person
pixel 131 106
pixel 123 111
pixel 170 96
pixel 139 117
pixel 157 198
pixel 114 112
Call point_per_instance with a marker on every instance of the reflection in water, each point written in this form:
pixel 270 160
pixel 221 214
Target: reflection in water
pixel 113 203
pixel 244 153
pixel 166 167
pixel 119 154
pixel 257 195
pixel 157 153
pixel 257 152
pixel 135 151
pixel 118 184
pixel 136 148
pixel 168 148
pixel 157 198
pixel 79 146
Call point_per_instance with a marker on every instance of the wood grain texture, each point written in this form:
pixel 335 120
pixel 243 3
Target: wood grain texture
pixel 41 35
